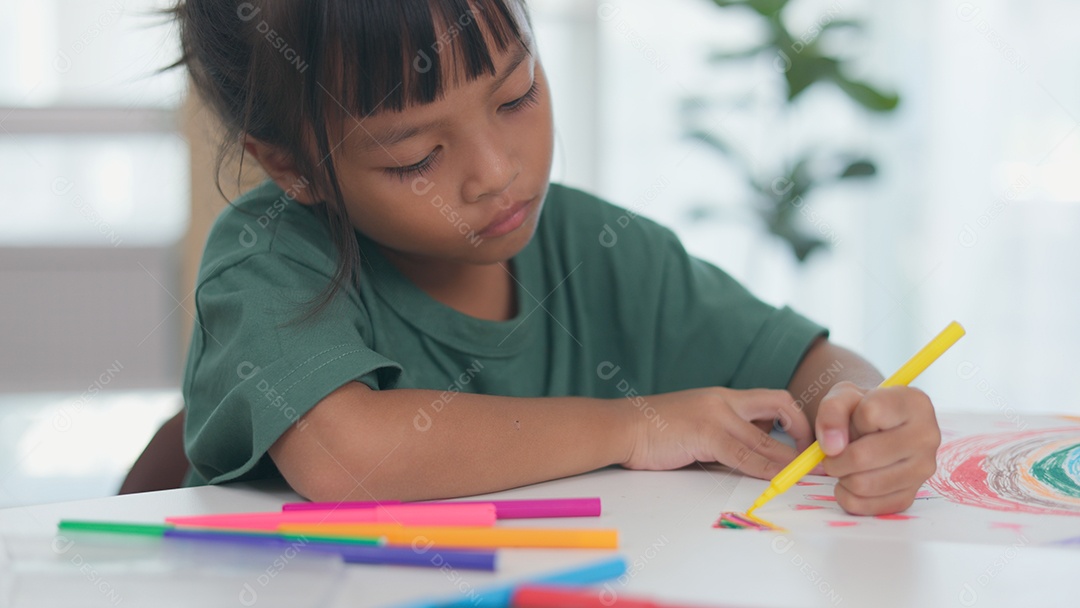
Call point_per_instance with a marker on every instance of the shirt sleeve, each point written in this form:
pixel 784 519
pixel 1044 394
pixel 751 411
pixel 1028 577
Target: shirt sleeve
pixel 721 334
pixel 256 365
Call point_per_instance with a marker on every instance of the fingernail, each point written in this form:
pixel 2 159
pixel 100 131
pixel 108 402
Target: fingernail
pixel 832 442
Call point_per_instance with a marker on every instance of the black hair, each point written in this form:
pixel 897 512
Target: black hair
pixel 282 70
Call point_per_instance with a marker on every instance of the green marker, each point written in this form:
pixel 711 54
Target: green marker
pixel 113 527
pixel 160 530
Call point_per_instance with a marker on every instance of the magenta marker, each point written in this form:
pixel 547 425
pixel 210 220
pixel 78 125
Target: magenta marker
pixel 504 509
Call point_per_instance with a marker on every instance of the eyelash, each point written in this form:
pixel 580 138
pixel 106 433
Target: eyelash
pixel 419 169
pixel 427 165
pixel 525 101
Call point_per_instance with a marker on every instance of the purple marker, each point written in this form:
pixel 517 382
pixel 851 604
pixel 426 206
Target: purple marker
pixel 351 553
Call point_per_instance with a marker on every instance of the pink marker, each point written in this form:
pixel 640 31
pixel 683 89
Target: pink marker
pixel 408 515
pixel 505 509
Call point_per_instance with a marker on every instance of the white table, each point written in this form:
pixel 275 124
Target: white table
pixel 665 522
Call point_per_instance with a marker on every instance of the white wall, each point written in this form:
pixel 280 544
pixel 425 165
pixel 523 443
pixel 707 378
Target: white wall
pixel 986 139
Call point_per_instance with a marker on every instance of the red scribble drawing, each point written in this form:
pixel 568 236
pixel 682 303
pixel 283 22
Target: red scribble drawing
pixel 821 497
pixel 842 524
pixel 808 507
pixel 1006 525
pixel 1034 471
pixel 809 483
pixel 894 517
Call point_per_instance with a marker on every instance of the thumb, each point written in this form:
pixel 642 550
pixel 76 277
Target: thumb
pixel 834 417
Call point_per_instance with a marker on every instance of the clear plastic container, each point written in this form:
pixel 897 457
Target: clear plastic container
pixel 94 569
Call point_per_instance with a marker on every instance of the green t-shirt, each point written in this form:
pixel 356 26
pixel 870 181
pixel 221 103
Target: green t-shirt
pixel 609 305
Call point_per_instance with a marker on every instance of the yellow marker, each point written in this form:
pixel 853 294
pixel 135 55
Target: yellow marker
pixel 767 524
pixel 466 537
pixel 812 456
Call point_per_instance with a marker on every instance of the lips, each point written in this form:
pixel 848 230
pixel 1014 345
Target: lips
pixel 509 220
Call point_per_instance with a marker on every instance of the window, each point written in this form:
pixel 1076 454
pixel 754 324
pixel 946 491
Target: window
pixel 87 130
pixel 96 194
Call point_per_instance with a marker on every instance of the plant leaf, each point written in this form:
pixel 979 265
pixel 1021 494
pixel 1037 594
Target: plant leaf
pixel 767 7
pixel 712 141
pixel 806 68
pixel 866 95
pixel 863 167
pixel 721 56
pixel 838 23
pixel 802 243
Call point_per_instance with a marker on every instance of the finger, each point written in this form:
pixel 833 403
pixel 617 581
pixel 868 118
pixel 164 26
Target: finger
pixel 741 457
pixel 834 417
pixel 880 449
pixel 878 505
pixel 911 472
pixel 776 405
pixel 760 443
pixel 871 452
pixel 887 408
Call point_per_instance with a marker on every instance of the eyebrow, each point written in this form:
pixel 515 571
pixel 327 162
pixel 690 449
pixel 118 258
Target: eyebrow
pixel 519 56
pixel 400 132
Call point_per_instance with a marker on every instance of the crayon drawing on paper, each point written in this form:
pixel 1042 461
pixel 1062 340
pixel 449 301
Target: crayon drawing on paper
pixel 1033 471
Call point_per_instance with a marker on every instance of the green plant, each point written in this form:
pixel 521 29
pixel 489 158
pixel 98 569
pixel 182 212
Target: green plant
pixel 802 61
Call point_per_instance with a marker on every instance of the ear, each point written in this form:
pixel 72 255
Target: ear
pixel 281 168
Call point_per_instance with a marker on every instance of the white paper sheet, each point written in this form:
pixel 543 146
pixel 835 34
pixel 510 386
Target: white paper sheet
pixel 985 490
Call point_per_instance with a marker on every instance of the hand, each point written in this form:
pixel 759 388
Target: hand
pixel 717 425
pixel 881 444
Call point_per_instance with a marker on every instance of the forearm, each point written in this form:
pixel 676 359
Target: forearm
pixel 824 365
pixel 361 444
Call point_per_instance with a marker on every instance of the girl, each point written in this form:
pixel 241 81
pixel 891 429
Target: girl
pixel 408 309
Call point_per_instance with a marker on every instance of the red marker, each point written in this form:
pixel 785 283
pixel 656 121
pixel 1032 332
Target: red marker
pixel 540 596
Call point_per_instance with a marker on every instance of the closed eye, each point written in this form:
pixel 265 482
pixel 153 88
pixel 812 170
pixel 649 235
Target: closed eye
pixel 525 101
pixel 416 169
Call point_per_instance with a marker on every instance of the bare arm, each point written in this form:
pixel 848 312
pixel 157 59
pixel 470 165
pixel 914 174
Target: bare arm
pixel 359 444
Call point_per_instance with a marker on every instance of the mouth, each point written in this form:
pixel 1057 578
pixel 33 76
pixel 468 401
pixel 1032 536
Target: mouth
pixel 509 220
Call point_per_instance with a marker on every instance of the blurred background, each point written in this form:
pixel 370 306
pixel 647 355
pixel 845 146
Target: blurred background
pixel 883 168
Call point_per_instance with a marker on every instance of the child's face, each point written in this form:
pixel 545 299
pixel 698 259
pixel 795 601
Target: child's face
pixel 461 179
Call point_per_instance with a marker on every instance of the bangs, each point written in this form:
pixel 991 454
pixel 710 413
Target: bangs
pixel 389 55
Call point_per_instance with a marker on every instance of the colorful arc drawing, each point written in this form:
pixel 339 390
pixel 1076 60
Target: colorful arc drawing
pixel 1034 471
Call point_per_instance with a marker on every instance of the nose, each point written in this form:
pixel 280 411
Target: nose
pixel 492 165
